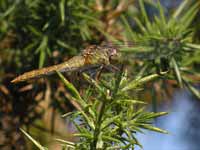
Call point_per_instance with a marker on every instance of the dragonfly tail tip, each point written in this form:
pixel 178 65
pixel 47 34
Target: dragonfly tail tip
pixel 14 80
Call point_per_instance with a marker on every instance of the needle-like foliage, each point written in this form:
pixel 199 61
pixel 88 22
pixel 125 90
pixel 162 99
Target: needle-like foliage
pixel 46 26
pixel 108 117
pixel 108 113
pixel 33 34
pixel 164 44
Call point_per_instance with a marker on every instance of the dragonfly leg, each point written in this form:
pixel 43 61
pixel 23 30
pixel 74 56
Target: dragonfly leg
pixel 112 68
pixel 99 71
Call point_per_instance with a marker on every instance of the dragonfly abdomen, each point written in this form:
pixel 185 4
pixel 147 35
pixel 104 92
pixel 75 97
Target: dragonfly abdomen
pixel 34 74
pixel 70 65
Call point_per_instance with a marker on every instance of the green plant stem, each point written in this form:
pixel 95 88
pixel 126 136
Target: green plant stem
pixel 98 126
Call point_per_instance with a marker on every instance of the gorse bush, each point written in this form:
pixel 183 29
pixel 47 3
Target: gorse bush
pixel 108 117
pixel 46 26
pixel 108 113
pixel 164 44
pixel 31 33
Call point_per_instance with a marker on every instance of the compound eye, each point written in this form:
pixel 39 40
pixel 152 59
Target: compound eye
pixel 112 52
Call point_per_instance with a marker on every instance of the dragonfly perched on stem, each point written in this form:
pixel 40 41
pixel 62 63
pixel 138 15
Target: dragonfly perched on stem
pixel 91 56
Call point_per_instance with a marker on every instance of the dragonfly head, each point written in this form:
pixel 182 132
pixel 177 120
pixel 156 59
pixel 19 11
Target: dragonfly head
pixel 107 53
pixel 112 52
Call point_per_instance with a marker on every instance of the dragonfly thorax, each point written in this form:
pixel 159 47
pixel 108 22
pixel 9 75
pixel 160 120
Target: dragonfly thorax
pixel 99 54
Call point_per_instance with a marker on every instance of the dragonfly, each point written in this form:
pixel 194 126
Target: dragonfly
pixel 91 56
